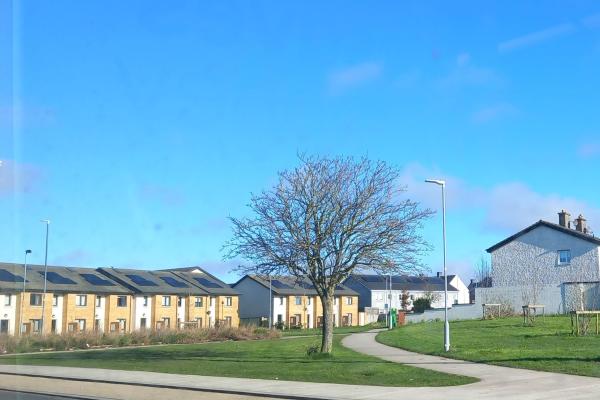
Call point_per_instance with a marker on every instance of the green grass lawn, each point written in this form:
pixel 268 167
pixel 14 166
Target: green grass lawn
pixel 546 346
pixel 266 359
pixel 338 330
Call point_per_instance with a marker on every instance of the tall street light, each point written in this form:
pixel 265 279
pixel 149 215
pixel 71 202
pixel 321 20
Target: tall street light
pixel 442 183
pixel 47 222
pixel 23 294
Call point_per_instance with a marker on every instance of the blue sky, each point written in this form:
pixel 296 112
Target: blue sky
pixel 137 129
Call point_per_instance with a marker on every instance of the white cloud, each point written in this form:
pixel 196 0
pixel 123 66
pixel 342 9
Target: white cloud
pixel 507 207
pixel 536 37
pixel 353 76
pixel 493 112
pixel 465 73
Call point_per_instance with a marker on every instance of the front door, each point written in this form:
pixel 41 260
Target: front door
pixel 4 326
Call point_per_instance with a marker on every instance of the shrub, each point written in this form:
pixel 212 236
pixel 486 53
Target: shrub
pixel 421 304
pixel 86 340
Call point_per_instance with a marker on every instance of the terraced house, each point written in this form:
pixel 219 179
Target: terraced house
pixel 77 299
pixel 111 299
pixel 294 303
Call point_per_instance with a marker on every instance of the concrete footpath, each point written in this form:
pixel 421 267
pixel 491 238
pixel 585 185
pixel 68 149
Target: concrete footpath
pixel 496 382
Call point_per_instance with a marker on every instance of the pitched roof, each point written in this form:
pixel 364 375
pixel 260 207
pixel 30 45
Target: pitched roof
pixel 404 282
pixel 59 279
pixel 152 282
pixel 203 279
pixel 291 286
pixel 572 232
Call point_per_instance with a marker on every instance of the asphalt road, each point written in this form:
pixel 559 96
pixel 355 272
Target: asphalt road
pixel 8 395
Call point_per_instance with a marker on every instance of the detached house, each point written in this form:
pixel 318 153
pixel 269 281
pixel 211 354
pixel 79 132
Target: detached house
pixel 376 292
pixel 554 264
pixel 293 302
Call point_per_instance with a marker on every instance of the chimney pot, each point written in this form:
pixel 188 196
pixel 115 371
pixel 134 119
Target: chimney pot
pixel 580 224
pixel 439 274
pixel 564 219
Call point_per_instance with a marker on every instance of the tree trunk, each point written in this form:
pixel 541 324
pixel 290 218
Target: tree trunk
pixel 327 339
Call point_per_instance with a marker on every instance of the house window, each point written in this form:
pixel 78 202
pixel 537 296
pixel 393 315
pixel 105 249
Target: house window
pixel 145 301
pixel 166 301
pixel 122 324
pixel 298 300
pixel 122 301
pixel 564 256
pixel 35 299
pixel 179 301
pixel 198 302
pixel 309 301
pixel 228 301
pixel 81 300
pixel 348 301
pixel 98 301
pixel 7 299
pixel 55 300
pixel 167 322
pixel 227 321
pixel 80 324
pixel 281 301
pixel 36 325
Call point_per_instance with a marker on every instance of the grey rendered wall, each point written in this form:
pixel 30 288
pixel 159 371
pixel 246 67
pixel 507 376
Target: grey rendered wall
pixel 457 312
pixel 254 299
pixel 534 256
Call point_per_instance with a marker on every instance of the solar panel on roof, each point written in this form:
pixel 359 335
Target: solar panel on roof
pixel 206 283
pixel 174 282
pixel 57 279
pixel 7 276
pixel 372 278
pixel 96 280
pixel 306 285
pixel 279 284
pixel 138 280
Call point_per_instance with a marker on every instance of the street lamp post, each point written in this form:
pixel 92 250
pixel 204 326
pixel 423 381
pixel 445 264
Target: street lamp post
pixel 47 222
pixel 442 183
pixel 270 303
pixel 23 294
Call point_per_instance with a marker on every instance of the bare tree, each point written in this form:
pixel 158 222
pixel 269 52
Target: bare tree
pixel 327 218
pixel 483 273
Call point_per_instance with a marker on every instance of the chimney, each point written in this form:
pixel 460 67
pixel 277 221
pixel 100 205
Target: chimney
pixel 564 219
pixel 580 224
pixel 439 275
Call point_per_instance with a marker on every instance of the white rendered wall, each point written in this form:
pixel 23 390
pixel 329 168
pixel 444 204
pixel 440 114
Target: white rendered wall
pixel 212 308
pixel 142 311
pixel 9 312
pixel 100 312
pixel 310 311
pixel 279 308
pixel 57 313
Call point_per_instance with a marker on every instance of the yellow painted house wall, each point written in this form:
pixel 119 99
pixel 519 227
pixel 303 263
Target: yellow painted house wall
pixel 72 312
pixel 35 312
pixel 114 312
pixel 159 311
pixel 222 310
pixel 345 309
pixel 295 309
pixel 193 312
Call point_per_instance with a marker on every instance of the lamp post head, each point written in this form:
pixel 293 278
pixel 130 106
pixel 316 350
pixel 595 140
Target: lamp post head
pixel 440 182
pixel 28 251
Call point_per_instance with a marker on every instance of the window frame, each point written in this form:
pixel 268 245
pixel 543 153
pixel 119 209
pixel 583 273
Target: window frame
pixel 228 301
pixel 298 300
pixel 98 301
pixel 35 296
pixel 568 259
pixel 7 300
pixel 166 301
pixel 121 301
pixel 78 298
pixel 54 300
pixel 349 300
pixel 198 302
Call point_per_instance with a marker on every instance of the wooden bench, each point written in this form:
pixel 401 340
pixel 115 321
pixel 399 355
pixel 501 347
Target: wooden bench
pixel 528 315
pixel 575 320
pixel 491 305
